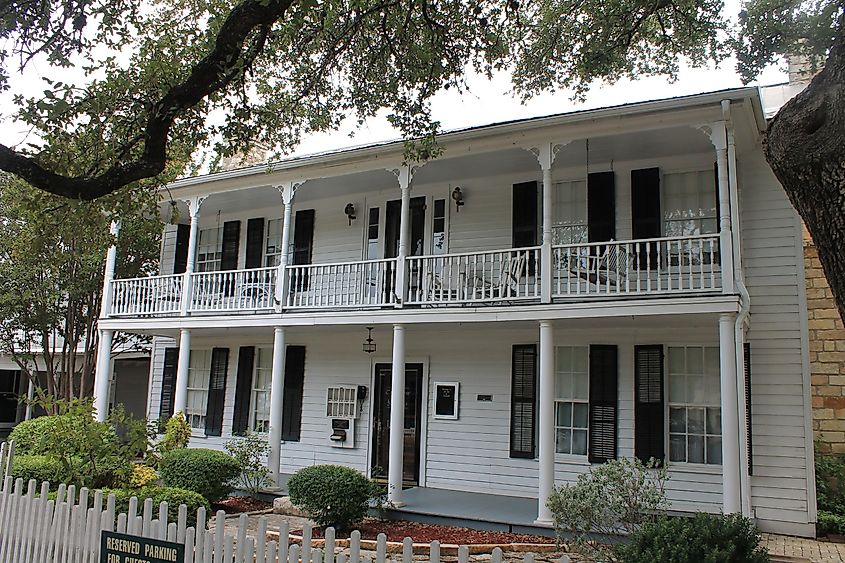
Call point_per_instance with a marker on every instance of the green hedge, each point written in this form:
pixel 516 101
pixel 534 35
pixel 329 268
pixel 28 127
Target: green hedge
pixel 39 467
pixel 332 495
pixel 29 435
pixel 830 523
pixel 210 473
pixel 704 538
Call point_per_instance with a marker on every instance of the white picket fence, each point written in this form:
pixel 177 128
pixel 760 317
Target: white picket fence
pixel 67 529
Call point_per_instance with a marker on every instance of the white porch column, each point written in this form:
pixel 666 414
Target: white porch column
pixel 397 418
pixel 718 136
pixel 404 174
pixel 731 502
pixel 546 421
pixel 545 154
pixel 194 205
pixel 102 375
pixel 287 191
pixel 108 274
pixel 180 400
pixel 277 389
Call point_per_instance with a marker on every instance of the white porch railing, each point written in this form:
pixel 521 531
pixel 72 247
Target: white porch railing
pixel 366 283
pixel 147 296
pixel 233 290
pixel 648 266
pixel 493 276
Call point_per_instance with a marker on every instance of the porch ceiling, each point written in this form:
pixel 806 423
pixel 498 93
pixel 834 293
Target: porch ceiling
pixel 451 167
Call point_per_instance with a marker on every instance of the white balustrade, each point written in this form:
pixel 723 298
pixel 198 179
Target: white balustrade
pixel 147 296
pixel 366 283
pixel 233 290
pixel 648 266
pixel 475 277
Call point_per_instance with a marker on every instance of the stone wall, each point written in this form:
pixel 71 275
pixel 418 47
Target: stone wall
pixel 827 355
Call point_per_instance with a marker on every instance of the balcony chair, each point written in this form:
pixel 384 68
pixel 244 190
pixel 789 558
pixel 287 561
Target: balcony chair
pixel 507 284
pixel 608 267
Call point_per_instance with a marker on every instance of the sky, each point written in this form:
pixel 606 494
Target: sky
pixel 486 101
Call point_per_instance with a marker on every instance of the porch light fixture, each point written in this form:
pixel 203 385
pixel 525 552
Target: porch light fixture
pixel 369 343
pixel 458 196
pixel 350 212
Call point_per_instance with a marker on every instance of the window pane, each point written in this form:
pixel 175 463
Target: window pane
pixel 695 390
pixel 563 385
pixel 579 418
pixel 677 447
pixel 564 441
pixel 714 421
pixel 676 360
pixel 677 420
pixel 564 414
pixel 695 360
pixel 579 442
pixel 711 361
pixel 581 388
pixel 714 450
pixel 695 421
pixel 677 388
pixel 563 357
pixel 579 359
pixel 695 449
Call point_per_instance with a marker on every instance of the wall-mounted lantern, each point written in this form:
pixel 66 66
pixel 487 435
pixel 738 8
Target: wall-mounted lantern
pixel 350 212
pixel 458 196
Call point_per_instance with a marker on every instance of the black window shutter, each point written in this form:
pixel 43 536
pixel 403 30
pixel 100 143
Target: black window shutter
pixel 603 403
pixel 292 398
pixel 216 392
pixel 523 401
pixel 649 436
pixel 231 241
pixel 645 214
pixel 243 389
pixel 746 359
pixel 180 253
pixel 303 236
pixel 168 382
pixel 254 242
pixel 524 219
pixel 718 202
pixel 601 206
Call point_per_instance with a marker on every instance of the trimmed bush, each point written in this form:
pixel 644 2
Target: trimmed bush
pixel 332 494
pixel 830 483
pixel 704 538
pixel 208 472
pixel 142 475
pixel 174 496
pixel 39 467
pixel 30 436
pixel 830 523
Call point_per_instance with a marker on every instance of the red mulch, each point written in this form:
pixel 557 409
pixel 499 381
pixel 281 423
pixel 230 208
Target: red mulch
pixel 236 505
pixel 398 530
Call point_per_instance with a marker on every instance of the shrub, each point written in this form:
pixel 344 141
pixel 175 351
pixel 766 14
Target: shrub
pixel 38 467
pixel 830 483
pixel 174 496
pixel 250 450
pixel 142 475
pixel 30 436
pixel 830 523
pixel 207 472
pixel 617 497
pixel 332 494
pixel 704 538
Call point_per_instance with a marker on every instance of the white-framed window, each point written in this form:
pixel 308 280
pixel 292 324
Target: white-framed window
pixel 372 233
pixel 570 217
pixel 689 204
pixel 199 375
pixel 571 400
pixel 259 414
pixel 273 243
pixel 210 249
pixel 695 419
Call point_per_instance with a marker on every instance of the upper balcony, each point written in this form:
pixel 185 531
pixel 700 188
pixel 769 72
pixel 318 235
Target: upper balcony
pixel 586 210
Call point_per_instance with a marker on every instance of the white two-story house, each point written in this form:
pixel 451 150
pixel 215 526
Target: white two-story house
pixel 548 294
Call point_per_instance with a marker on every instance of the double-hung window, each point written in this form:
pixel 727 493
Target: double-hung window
pixel 570 225
pixel 259 416
pixel 273 245
pixel 689 204
pixel 695 419
pixel 571 400
pixel 210 249
pixel 199 375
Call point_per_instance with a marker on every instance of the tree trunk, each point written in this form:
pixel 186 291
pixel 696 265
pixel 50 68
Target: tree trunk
pixel 805 146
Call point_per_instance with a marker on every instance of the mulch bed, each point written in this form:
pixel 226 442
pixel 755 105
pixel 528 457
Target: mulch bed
pixel 237 505
pixel 398 530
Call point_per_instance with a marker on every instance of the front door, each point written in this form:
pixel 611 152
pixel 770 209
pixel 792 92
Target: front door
pixel 392 227
pixel 413 422
pixel 9 386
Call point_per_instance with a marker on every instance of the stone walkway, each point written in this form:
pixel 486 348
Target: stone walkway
pixel 781 548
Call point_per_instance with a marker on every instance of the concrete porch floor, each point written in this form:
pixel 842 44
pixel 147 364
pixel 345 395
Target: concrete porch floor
pixel 482 511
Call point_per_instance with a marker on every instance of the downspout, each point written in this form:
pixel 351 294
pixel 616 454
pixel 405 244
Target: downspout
pixel 742 319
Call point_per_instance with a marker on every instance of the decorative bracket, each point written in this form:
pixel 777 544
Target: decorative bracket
pixel 405 173
pixel 288 190
pixel 717 133
pixel 114 228
pixel 194 205
pixel 545 153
